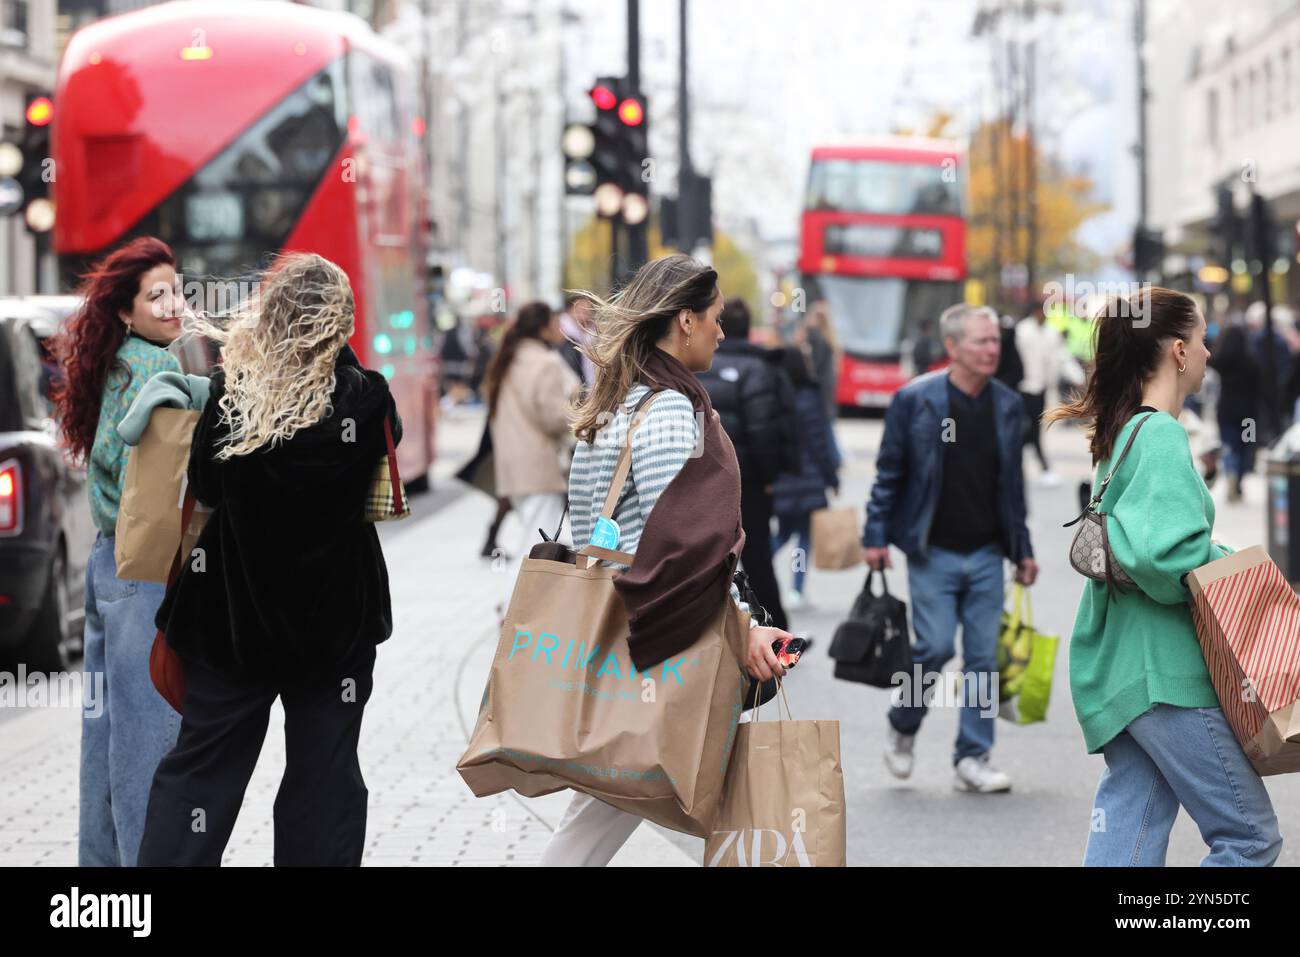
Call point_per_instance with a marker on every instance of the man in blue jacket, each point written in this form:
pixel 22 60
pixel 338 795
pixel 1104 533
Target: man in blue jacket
pixel 949 493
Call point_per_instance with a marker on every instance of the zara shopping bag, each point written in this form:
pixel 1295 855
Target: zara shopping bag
pixel 783 801
pixel 565 708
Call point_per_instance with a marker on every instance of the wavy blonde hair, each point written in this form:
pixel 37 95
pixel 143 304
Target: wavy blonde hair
pixel 625 328
pixel 278 351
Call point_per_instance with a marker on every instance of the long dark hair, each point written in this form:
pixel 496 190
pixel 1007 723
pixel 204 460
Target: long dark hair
pixel 531 320
pixel 1128 335
pixel 88 343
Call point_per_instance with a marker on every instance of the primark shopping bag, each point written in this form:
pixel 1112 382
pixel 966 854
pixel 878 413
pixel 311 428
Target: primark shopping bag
pixel 1248 624
pixel 783 800
pixel 565 708
pixel 153 494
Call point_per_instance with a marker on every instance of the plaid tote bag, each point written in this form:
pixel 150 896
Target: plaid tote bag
pixel 386 500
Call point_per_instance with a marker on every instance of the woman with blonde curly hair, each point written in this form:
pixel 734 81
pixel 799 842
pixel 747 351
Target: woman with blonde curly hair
pixel 286 593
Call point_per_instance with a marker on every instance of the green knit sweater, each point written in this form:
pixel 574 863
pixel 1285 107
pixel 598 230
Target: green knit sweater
pixel 1139 649
pixel 107 466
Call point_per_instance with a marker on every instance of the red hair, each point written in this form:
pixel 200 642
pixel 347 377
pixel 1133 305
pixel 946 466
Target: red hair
pixel 87 345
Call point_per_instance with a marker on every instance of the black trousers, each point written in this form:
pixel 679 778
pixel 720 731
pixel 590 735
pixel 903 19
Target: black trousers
pixel 320 809
pixel 756 559
pixel 1034 405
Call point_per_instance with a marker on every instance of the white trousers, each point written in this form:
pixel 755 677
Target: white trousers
pixel 591 831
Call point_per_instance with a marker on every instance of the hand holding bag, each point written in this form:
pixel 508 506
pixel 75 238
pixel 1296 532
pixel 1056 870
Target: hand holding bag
pixel 1090 553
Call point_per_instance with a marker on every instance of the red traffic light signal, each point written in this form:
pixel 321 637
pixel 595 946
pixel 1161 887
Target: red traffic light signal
pixel 603 97
pixel 631 112
pixel 40 111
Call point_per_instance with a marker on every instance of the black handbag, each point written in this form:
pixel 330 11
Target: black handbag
pixel 872 645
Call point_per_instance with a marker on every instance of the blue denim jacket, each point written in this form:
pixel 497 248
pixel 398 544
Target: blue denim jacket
pixel 909 468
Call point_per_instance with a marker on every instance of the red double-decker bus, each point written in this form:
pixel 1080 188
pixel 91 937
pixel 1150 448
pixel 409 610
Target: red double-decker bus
pixel 238 129
pixel 883 242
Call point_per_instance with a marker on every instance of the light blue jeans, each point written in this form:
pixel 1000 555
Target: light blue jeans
pixel 1171 756
pixel 122 744
pixel 947 589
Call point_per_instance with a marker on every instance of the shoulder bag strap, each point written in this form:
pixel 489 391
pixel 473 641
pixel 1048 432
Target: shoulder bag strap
pixel 624 465
pixel 1114 467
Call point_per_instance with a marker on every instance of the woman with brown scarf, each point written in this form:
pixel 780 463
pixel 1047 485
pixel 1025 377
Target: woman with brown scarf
pixel 680 508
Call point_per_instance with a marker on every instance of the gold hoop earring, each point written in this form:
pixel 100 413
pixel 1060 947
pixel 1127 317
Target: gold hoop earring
pixel 1182 368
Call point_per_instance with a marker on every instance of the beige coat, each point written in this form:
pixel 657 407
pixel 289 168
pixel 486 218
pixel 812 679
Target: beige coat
pixel 531 441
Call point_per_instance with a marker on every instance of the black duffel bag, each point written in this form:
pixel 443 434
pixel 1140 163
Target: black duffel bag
pixel 872 645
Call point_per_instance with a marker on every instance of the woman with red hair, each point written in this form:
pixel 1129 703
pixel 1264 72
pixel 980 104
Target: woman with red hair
pixel 111 346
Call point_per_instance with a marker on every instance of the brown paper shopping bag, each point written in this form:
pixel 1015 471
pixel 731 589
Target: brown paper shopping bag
pixel 1248 624
pixel 565 707
pixel 783 800
pixel 149 514
pixel 835 538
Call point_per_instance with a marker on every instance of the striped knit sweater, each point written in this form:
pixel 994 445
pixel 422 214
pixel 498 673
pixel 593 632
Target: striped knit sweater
pixel 663 442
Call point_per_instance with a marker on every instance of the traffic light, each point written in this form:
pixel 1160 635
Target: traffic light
pixel 606 146
pixel 1227 226
pixel 37 171
pixel 1148 251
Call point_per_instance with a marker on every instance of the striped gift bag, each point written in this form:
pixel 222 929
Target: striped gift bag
pixel 1248 624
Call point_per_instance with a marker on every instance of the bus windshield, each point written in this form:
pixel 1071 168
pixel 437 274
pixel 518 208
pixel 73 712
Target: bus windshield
pixel 873 186
pixel 873 317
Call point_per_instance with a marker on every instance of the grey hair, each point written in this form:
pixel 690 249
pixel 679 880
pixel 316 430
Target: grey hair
pixel 952 322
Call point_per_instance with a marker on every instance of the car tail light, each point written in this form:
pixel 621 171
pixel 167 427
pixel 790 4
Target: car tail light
pixel 11 498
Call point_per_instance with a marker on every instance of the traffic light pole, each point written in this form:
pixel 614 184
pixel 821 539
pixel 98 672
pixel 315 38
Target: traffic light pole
pixel 638 241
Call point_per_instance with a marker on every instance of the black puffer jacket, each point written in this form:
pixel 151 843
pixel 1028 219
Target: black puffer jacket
pixel 293 576
pixel 755 401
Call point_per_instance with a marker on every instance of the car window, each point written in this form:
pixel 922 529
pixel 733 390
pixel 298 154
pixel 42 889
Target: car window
pixel 29 377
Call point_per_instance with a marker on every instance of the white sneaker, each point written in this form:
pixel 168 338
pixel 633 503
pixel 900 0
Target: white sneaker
pixel 898 753
pixel 976 774
pixel 794 601
pixel 1049 479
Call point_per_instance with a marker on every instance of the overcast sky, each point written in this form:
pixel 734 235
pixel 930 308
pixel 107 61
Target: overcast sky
pixel 771 78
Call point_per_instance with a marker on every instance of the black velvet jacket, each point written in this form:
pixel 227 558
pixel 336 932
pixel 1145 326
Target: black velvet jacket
pixel 291 576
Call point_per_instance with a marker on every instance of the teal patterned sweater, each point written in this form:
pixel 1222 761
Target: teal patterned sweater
pixel 107 466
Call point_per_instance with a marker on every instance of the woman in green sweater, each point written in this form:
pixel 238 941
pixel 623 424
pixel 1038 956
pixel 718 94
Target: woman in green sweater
pixel 1141 689
pixel 110 348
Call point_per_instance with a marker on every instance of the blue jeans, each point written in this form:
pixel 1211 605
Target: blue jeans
pixel 122 745
pixel 1171 756
pixel 947 589
pixel 799 527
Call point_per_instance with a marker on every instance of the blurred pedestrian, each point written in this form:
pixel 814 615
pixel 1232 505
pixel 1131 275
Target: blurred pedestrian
pixel 660 330
pixel 112 345
pixel 529 391
pixel 797 493
pixel 949 492
pixel 1271 353
pixel 1239 405
pixel 926 351
pixel 1141 689
pixel 825 354
pixel 287 595
pixel 575 323
pixel 1010 370
pixel 1040 346
pixel 756 403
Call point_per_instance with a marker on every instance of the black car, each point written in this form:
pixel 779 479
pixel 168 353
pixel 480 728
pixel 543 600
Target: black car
pixel 46 531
